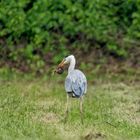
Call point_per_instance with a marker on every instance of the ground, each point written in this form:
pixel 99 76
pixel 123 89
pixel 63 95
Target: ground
pixel 34 109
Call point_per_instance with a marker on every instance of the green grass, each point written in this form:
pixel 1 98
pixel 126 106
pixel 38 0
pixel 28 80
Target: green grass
pixel 34 109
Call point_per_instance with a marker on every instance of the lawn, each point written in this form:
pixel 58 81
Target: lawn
pixel 34 109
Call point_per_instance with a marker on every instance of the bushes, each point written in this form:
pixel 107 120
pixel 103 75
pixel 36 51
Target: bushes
pixel 134 30
pixel 35 28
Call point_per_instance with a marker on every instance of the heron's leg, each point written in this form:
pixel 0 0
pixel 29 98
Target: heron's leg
pixel 81 108
pixel 67 107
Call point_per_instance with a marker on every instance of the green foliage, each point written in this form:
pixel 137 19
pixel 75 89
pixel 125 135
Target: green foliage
pixel 112 48
pixel 48 26
pixel 134 30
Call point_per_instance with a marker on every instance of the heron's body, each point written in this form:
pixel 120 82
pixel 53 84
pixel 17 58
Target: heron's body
pixel 75 83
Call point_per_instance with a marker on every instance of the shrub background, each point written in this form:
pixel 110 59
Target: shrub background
pixel 35 33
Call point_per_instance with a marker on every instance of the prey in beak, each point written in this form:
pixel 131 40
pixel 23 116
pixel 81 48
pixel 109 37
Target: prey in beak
pixel 60 67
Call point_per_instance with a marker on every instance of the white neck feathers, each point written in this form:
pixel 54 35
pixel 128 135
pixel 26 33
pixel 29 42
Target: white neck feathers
pixel 72 64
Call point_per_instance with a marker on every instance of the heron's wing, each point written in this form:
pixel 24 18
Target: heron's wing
pixel 78 83
pixel 78 87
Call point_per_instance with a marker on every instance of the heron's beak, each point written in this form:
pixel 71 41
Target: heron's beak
pixel 62 63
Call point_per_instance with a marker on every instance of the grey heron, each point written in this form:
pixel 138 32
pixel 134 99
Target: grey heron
pixel 75 82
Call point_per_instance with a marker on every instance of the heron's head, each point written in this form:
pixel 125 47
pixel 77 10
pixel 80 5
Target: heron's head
pixel 66 60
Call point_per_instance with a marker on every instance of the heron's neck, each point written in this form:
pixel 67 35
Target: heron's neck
pixel 72 65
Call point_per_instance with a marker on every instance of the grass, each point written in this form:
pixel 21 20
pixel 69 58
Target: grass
pixel 34 109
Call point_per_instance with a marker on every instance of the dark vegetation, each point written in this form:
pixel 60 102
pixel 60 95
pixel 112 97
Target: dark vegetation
pixel 36 34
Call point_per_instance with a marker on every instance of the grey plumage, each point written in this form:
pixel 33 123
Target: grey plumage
pixel 76 83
